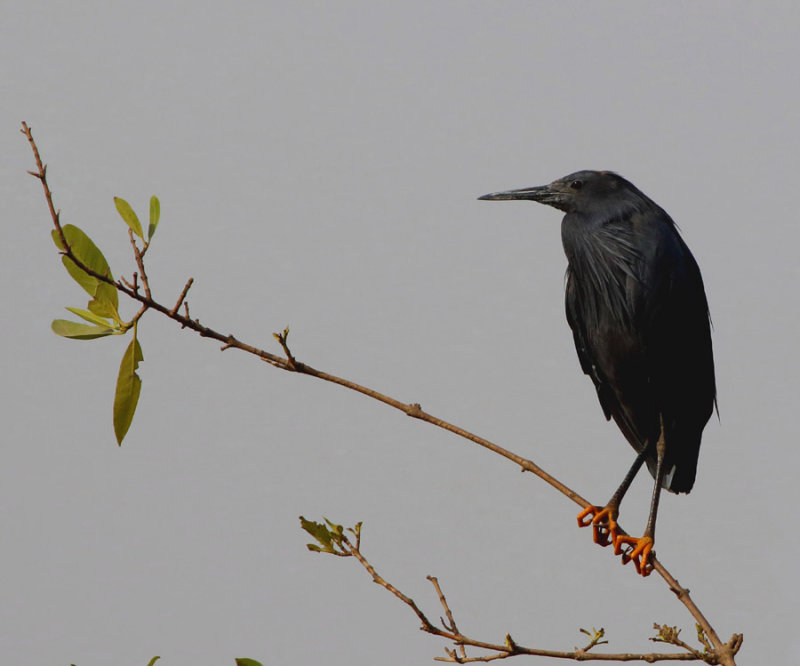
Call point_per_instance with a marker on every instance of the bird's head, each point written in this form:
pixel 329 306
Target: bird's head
pixel 582 191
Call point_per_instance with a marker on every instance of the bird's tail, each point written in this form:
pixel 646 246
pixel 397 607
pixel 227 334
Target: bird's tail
pixel 681 465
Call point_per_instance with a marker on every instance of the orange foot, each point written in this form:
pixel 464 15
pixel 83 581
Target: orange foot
pixel 604 527
pixel 636 550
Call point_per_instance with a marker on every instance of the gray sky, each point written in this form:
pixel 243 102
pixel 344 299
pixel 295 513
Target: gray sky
pixel 318 165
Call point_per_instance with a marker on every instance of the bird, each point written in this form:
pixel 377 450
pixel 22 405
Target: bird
pixel 637 308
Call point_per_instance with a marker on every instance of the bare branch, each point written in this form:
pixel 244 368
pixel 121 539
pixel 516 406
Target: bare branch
pixel 450 623
pixel 140 263
pixel 510 648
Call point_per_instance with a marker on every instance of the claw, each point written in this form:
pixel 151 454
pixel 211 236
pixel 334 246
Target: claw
pixel 604 527
pixel 636 550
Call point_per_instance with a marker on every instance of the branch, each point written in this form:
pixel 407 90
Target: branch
pixel 723 652
pixel 139 255
pixel 333 540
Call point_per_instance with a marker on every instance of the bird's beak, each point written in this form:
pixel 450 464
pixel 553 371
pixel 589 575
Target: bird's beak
pixel 544 194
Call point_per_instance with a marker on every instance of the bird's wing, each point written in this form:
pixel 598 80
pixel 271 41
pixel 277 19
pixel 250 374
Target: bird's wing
pixel 601 307
pixel 577 323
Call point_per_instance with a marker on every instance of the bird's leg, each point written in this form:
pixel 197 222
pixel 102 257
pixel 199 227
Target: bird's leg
pixel 639 550
pixel 604 519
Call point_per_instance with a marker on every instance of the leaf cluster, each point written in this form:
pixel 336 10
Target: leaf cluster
pixel 330 537
pixel 87 265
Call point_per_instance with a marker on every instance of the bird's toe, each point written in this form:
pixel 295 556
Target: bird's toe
pixel 604 527
pixel 636 550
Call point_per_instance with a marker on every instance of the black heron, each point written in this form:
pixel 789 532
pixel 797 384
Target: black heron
pixel 639 316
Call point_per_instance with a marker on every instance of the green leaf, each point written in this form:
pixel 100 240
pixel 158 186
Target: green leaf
pixel 76 331
pixel 128 387
pixel 336 529
pixel 126 213
pixel 242 661
pixel 356 530
pixel 319 532
pixel 88 282
pixel 91 317
pixel 153 661
pixel 155 214
pixel 87 253
pixel 106 301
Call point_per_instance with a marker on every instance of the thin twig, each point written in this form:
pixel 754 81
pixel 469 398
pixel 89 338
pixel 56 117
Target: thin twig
pixel 450 623
pixel 181 298
pixel 510 648
pixel 139 314
pixel 131 285
pixel 140 263
pixel 377 578
pixel 283 338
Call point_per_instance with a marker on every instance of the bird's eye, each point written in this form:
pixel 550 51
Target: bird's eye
pixel 576 184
